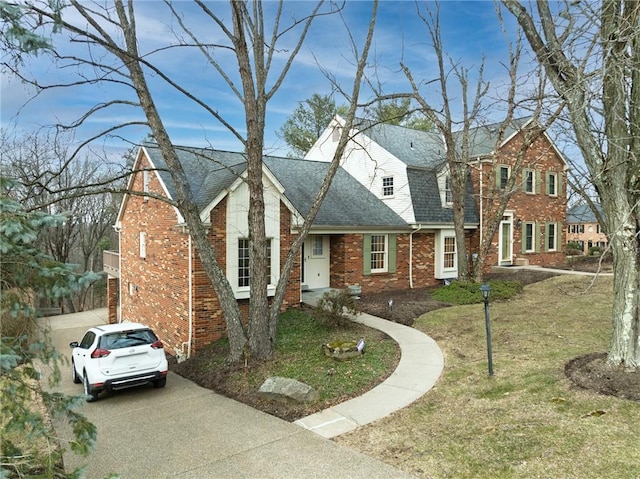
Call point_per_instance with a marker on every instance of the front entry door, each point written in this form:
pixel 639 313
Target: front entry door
pixel 505 256
pixel 316 262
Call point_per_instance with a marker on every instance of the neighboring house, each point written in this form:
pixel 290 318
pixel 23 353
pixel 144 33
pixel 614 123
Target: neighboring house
pixel 583 228
pixel 407 170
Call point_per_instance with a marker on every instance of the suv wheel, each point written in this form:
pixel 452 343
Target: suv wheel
pixel 74 375
pixel 160 383
pixel 90 394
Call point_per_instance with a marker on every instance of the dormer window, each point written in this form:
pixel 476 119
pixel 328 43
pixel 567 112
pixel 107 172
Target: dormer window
pixel 448 194
pixel 387 186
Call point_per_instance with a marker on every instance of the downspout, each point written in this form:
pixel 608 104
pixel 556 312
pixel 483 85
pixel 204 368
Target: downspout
pixel 411 256
pixel 481 201
pixel 119 231
pixel 190 293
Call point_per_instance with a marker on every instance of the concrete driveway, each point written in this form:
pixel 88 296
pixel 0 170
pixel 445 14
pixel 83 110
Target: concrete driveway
pixel 186 431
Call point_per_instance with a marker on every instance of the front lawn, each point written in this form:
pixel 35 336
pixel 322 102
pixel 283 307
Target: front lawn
pixel 527 421
pixel 299 356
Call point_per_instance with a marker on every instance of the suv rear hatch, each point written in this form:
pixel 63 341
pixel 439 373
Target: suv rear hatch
pixel 129 352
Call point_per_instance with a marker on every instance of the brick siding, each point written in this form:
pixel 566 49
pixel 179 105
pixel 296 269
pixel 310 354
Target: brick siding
pixel 539 208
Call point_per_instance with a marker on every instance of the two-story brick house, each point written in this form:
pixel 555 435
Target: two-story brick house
pixel 385 224
pixel 407 170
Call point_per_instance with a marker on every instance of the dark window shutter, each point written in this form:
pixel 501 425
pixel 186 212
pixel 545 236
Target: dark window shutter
pixel 366 260
pixel 392 253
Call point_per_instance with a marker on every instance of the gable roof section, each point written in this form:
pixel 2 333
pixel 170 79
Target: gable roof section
pixel 482 139
pixel 211 172
pixel 427 204
pixel 347 203
pixel 426 149
pixel 419 148
pixel 208 171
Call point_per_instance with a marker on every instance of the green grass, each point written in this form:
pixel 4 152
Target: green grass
pixel 528 420
pixel 461 292
pixel 299 355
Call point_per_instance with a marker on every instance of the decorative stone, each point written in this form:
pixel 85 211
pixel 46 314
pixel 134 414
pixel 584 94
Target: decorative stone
pixel 277 388
pixel 342 350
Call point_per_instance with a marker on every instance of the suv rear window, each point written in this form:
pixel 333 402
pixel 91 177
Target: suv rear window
pixel 127 339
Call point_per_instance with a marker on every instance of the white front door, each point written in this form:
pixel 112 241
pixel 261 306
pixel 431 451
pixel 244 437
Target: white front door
pixel 505 240
pixel 316 262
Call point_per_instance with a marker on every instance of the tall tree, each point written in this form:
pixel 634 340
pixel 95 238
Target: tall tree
pixel 591 55
pixel 115 55
pixel 454 84
pixel 307 122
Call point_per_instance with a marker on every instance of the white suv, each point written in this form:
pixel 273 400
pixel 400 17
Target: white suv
pixel 118 356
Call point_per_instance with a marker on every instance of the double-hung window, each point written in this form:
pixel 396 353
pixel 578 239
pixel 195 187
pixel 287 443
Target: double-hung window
pixel 244 279
pixel 552 184
pixel 379 253
pixel 449 252
pixel 551 236
pixel 448 194
pixel 503 176
pixel 528 181
pixel 387 186
pixel 529 244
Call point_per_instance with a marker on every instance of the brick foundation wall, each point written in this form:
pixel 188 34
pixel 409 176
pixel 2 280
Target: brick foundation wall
pixel 347 263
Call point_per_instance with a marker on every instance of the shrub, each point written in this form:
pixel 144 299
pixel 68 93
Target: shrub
pixel 333 307
pixel 595 251
pixel 462 292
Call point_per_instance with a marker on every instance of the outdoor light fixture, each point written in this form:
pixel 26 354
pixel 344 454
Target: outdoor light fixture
pixel 485 289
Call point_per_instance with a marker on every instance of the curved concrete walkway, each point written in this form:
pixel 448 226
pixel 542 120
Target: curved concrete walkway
pixel 420 366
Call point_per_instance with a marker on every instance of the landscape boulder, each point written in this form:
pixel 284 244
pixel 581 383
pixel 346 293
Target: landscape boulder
pixel 287 389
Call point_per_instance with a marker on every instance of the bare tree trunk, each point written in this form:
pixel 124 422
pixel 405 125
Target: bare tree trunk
pixel 614 170
pixel 186 204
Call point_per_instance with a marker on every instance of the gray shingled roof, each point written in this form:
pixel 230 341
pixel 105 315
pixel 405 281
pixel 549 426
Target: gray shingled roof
pixel 414 147
pixel 209 172
pixel 426 149
pixel 582 214
pixel 427 204
pixel 348 203
pixel 482 139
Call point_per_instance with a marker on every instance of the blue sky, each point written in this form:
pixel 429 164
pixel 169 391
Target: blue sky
pixel 470 30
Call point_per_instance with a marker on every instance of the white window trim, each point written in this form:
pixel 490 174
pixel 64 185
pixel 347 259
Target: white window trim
pixel 555 237
pixel 555 184
pixel 528 172
pixel 455 254
pixel 244 292
pixel 533 236
pixel 145 184
pixel 392 187
pixel 385 268
pixel 143 244
pixel 447 179
pixel 508 167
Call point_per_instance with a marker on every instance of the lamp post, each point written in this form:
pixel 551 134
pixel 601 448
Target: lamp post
pixel 485 289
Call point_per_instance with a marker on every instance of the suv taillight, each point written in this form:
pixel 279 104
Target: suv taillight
pixel 157 345
pixel 100 353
